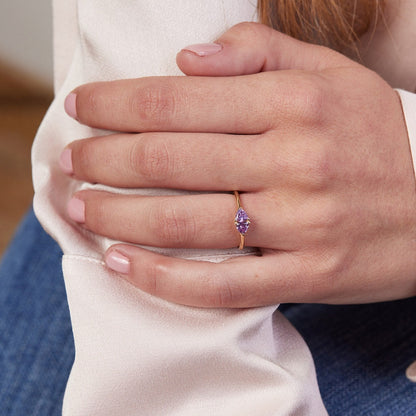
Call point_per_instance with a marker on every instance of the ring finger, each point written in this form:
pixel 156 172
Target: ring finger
pixel 191 221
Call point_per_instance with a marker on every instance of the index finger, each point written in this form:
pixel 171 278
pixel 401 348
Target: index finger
pixel 248 104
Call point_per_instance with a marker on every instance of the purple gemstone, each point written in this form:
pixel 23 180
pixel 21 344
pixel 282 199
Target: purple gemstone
pixel 241 221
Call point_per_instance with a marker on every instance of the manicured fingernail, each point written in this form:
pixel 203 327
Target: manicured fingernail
pixel 71 105
pixel 204 49
pixel 118 262
pixel 76 210
pixel 65 161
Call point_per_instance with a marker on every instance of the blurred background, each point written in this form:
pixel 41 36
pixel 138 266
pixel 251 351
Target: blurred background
pixel 25 94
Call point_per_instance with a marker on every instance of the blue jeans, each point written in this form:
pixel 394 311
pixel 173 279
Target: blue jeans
pixel 36 344
pixel 361 352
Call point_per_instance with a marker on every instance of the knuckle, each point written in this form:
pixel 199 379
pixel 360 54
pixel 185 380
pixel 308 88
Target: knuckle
pixel 324 268
pixel 314 104
pixel 172 224
pixel 324 219
pixel 309 100
pixel 320 224
pixel 309 163
pixel 248 30
pixel 150 159
pixel 150 276
pixel 155 103
pixel 319 167
pixel 329 267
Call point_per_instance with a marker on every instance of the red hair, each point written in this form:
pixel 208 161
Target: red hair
pixel 336 24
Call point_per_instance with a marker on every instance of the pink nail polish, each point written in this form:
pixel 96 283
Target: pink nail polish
pixel 71 105
pixel 76 210
pixel 65 161
pixel 118 262
pixel 204 49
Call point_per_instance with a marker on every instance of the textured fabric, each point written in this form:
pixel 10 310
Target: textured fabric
pixel 361 353
pixel 137 355
pixel 36 345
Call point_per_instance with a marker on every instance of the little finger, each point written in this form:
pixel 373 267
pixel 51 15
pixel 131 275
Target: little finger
pixel 242 282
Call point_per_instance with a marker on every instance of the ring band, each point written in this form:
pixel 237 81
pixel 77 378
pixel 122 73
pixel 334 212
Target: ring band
pixel 241 220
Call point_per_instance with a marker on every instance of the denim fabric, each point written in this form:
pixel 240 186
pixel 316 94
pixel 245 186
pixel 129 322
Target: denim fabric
pixel 361 352
pixel 36 345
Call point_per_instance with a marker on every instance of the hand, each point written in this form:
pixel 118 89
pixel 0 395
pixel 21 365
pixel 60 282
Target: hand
pixel 315 143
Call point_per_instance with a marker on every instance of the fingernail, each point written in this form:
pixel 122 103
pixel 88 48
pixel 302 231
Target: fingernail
pixel 65 161
pixel 76 210
pixel 117 262
pixel 204 49
pixel 71 105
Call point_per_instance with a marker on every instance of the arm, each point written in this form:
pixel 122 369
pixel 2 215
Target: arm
pixel 136 354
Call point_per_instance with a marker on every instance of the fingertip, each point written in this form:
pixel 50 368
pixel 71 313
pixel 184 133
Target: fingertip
pixel 117 261
pixel 65 161
pixel 76 210
pixel 203 49
pixel 135 265
pixel 224 57
pixel 70 105
pixel 194 59
pixel 188 62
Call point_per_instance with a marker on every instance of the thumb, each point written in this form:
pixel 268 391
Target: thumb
pixel 249 48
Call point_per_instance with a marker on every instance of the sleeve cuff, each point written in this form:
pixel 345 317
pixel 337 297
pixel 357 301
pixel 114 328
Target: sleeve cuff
pixel 408 100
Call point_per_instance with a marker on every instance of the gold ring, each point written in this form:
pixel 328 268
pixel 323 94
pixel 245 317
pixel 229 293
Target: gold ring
pixel 241 220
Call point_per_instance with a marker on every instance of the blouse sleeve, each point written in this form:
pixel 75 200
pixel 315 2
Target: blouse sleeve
pixel 65 34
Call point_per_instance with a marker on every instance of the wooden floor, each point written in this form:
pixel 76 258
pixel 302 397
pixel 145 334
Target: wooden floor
pixel 22 106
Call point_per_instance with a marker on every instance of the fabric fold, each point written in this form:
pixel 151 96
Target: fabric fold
pixel 135 354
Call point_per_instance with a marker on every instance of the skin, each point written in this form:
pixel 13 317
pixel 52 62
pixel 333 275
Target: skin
pixel 389 47
pixel 318 150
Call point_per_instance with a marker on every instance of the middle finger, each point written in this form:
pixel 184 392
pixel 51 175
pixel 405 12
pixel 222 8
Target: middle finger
pixel 190 161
